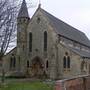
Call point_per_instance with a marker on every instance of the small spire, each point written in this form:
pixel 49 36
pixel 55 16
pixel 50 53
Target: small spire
pixel 23 12
pixel 39 4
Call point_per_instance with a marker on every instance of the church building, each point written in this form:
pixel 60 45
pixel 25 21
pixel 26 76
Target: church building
pixel 47 48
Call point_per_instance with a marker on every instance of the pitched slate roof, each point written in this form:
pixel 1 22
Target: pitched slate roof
pixel 66 30
pixel 23 12
pixel 82 53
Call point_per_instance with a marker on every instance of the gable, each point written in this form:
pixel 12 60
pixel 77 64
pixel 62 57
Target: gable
pixel 38 29
pixel 36 26
pixel 37 14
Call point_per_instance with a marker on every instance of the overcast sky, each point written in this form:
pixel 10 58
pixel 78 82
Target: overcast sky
pixel 74 12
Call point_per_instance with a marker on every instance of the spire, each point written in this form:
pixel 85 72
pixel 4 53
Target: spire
pixel 39 6
pixel 23 12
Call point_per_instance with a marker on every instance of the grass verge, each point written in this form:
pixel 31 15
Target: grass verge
pixel 35 85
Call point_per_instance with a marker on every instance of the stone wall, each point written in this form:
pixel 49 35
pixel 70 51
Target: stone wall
pixel 37 30
pixel 75 63
pixel 6 61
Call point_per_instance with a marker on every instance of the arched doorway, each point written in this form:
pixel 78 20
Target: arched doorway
pixel 37 67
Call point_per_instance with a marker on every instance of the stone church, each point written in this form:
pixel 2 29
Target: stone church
pixel 47 47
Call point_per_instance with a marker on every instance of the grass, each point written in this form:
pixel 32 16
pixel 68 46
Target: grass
pixel 35 85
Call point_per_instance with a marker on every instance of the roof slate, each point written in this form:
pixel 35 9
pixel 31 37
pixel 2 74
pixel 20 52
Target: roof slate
pixel 78 51
pixel 82 53
pixel 66 30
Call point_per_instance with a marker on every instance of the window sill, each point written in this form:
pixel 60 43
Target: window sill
pixel 66 70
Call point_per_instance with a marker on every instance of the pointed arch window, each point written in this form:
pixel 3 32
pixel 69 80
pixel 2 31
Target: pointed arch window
pixel 83 66
pixel 66 61
pixel 45 41
pixel 12 61
pixel 27 64
pixel 47 64
pixel 30 42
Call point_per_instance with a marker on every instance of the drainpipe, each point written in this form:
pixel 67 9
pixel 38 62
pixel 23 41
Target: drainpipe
pixel 57 65
pixel 57 62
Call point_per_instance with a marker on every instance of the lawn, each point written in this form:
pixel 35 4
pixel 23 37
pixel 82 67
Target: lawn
pixel 28 86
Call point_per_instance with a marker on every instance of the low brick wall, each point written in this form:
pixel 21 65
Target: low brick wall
pixel 74 84
pixel 87 83
pixel 77 83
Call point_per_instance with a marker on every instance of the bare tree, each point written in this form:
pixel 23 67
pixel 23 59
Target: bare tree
pixel 8 14
pixel 7 25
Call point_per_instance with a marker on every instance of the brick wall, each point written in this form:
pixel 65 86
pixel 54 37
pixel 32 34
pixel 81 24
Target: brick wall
pixel 87 83
pixel 77 83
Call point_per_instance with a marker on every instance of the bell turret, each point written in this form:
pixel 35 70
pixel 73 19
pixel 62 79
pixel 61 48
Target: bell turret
pixel 23 12
pixel 22 25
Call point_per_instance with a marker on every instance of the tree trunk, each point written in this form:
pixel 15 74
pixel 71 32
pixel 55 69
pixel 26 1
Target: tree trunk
pixel 2 70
